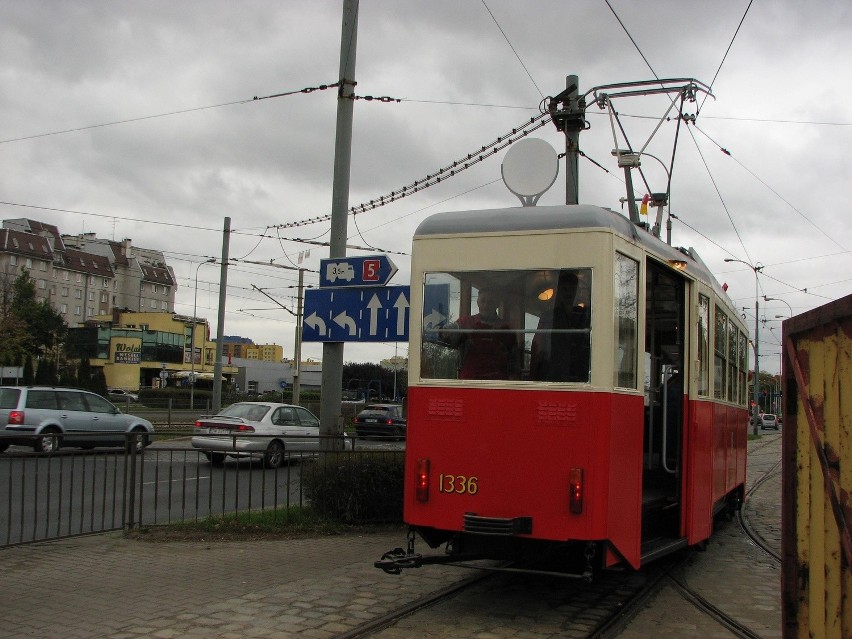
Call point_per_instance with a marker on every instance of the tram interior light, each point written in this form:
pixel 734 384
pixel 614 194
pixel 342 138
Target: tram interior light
pixel 546 294
pixel 680 265
pixel 422 480
pixel 543 285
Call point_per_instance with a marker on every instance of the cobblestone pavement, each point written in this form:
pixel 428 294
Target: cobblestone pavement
pixel 116 588
pixel 734 574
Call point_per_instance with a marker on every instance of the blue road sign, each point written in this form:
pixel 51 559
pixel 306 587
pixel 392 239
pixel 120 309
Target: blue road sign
pixel 369 270
pixel 374 314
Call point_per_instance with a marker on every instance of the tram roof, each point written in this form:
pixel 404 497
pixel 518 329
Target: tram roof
pixel 527 218
pixel 562 217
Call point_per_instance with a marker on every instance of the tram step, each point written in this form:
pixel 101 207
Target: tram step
pixel 655 548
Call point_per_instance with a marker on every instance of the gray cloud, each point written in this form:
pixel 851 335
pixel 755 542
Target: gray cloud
pixel 780 200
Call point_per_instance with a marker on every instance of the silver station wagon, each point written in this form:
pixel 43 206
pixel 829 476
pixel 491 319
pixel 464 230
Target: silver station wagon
pixel 46 418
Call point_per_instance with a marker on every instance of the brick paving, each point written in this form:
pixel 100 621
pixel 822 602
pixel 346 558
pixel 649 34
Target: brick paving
pixel 116 588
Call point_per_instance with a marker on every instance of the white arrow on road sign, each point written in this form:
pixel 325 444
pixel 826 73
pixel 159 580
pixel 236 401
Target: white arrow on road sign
pixel 401 305
pixel 344 321
pixel 373 307
pixel 316 322
pixel 375 314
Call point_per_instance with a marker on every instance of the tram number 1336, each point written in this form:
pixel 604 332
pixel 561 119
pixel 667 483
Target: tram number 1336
pixel 458 484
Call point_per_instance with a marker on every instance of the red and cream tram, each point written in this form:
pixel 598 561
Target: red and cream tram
pixel 577 392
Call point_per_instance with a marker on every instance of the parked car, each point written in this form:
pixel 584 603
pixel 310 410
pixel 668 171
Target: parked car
pixel 121 395
pixel 258 427
pixel 381 420
pixel 768 420
pixel 46 418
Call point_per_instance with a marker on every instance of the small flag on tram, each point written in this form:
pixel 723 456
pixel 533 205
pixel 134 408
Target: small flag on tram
pixel 643 210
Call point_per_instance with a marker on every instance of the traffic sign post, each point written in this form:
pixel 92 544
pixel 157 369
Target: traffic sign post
pixel 369 270
pixel 366 314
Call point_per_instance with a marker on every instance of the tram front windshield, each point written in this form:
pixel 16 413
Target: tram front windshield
pixel 507 325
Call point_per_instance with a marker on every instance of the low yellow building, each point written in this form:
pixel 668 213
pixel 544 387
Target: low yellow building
pixel 244 348
pixel 137 350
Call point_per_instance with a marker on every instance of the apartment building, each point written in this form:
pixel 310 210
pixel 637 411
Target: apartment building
pixel 83 276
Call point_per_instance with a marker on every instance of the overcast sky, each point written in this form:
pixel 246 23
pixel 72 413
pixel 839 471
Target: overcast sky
pixel 466 72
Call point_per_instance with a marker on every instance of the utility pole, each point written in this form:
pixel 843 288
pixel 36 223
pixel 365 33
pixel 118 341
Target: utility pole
pixel 297 345
pixel 756 394
pixel 756 390
pixel 332 352
pixel 568 114
pixel 220 328
pixel 572 143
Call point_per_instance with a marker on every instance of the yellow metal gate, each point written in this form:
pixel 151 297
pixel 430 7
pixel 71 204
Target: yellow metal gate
pixel 817 459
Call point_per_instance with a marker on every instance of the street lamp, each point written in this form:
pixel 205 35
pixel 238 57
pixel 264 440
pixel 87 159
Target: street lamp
pixel 297 347
pixel 781 363
pixel 192 338
pixel 756 395
pixel 776 299
pixel 777 403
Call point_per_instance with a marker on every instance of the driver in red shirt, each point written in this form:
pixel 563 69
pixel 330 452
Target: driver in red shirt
pixel 488 347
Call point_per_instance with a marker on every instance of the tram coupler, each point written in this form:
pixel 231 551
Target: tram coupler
pixel 393 561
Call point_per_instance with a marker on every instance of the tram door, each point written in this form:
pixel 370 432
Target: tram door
pixel 665 331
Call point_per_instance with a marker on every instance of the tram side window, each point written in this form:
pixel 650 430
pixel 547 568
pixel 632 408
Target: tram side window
pixel 626 320
pixel 721 349
pixel 733 360
pixel 507 325
pixel 703 345
pixel 561 347
pixel 743 355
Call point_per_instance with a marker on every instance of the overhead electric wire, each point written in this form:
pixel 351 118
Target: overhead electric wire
pixel 103 215
pixel 511 46
pixel 284 251
pixel 631 39
pixel 320 87
pixel 773 120
pixel 725 56
pixel 429 206
pixel 254 248
pixel 360 234
pixel 721 199
pixel 471 104
pixel 776 193
pixel 439 176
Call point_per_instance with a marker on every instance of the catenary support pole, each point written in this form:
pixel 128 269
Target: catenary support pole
pixel 332 352
pixel 220 327
pixel 297 345
pixel 756 397
pixel 572 145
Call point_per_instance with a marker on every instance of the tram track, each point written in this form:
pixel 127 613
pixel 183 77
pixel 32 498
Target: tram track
pixel 374 626
pixel 601 610
pixel 668 577
pixel 744 522
pixel 717 614
pixel 609 601
pixel 573 608
pixel 690 595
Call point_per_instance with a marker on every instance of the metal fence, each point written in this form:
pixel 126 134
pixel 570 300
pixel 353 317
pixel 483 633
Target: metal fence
pixel 74 492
